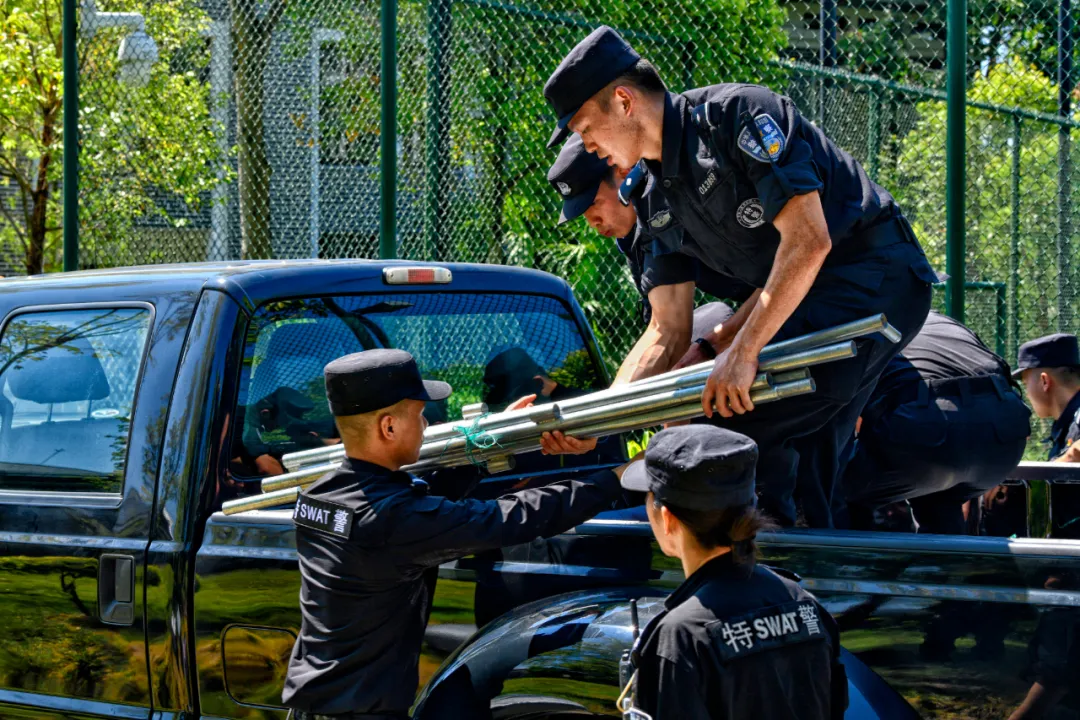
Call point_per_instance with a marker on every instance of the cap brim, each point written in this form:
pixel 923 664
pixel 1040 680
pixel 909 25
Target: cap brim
pixel 636 477
pixel 1018 372
pixel 562 129
pixel 576 205
pixel 436 390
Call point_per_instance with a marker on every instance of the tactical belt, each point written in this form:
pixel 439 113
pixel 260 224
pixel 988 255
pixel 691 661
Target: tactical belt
pixel 893 231
pixel 964 388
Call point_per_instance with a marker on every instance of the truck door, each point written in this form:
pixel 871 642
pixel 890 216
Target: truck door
pixel 75 499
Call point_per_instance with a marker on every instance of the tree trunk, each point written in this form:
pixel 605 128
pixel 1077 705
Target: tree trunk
pixel 251 37
pixel 39 198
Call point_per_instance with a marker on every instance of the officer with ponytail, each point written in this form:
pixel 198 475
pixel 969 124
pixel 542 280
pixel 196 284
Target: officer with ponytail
pixel 736 639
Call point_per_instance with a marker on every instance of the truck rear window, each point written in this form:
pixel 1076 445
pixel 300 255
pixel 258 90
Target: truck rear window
pixel 67 389
pixel 491 348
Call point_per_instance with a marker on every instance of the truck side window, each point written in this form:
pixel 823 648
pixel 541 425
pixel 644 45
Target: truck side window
pixel 67 390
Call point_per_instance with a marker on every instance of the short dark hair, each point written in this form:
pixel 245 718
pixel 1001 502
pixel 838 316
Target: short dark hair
pixel 1070 375
pixel 642 76
pixel 735 527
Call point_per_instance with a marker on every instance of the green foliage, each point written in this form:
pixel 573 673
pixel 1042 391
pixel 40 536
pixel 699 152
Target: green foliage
pixel 144 144
pixel 918 181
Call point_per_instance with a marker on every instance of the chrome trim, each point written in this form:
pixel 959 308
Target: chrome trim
pixel 855 540
pixel 966 593
pixel 39 498
pixel 79 707
pixel 1066 473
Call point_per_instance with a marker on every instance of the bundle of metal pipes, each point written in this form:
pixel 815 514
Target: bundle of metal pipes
pixel 494 439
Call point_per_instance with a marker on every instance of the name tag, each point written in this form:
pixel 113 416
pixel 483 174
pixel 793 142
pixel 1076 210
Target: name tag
pixel 766 629
pixel 326 517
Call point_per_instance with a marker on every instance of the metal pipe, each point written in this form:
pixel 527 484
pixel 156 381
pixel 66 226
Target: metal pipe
pixel 451 435
pixel 847 331
pixel 683 404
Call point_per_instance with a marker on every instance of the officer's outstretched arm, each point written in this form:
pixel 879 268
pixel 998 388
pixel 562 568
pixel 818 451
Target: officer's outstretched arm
pixel 446 530
pixel 667 337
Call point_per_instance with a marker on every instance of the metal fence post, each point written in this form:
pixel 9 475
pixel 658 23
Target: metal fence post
pixel 439 17
pixel 1014 239
pixel 71 136
pixel 1064 201
pixel 873 142
pixel 826 56
pixel 388 140
pixel 955 156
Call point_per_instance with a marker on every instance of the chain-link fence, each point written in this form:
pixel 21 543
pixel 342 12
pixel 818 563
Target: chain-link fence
pixel 222 129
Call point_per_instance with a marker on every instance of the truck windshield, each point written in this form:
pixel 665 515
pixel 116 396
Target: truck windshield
pixel 491 348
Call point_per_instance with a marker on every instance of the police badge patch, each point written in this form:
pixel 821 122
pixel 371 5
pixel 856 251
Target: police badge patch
pixel 766 629
pixel 660 219
pixel 775 142
pixel 563 188
pixel 750 213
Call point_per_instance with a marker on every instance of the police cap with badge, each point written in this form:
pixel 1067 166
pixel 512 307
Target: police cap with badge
pixel 375 379
pixel 576 174
pixel 593 63
pixel 1053 351
pixel 361 383
pixel 697 467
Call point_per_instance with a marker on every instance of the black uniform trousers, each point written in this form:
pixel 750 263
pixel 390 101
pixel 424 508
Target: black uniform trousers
pixel 890 275
pixel 937 445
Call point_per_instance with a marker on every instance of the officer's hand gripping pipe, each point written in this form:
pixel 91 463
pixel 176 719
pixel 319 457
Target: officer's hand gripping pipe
pixel 676 395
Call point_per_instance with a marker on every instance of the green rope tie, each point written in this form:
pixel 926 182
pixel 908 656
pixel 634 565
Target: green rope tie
pixel 477 440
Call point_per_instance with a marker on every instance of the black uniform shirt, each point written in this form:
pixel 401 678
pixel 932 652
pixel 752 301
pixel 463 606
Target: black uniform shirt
pixel 658 238
pixel 1066 429
pixel 942 350
pixel 363 598
pixel 766 153
pixel 740 643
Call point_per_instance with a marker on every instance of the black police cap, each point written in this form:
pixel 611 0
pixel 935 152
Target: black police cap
pixel 576 175
pixel 375 379
pixel 697 467
pixel 1052 351
pixel 593 63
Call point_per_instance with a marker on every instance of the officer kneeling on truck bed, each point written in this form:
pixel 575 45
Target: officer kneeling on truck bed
pixel 367 533
pixel 737 640
pixel 764 197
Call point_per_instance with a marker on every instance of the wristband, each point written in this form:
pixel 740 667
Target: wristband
pixel 706 347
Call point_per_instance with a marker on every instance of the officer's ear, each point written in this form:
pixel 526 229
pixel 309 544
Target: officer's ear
pixel 624 100
pixel 386 424
pixel 668 521
pixel 1045 381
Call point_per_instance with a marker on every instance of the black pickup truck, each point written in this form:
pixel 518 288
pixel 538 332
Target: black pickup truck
pixel 134 402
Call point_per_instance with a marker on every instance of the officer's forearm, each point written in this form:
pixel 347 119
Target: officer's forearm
pixel 734 324
pixel 653 354
pixel 667 337
pixel 804 245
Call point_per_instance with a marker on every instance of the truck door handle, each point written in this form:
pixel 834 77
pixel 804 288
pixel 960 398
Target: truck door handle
pixel 116 589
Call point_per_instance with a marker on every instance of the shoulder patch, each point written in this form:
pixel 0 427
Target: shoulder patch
pixel 766 629
pixel 775 142
pixel 326 517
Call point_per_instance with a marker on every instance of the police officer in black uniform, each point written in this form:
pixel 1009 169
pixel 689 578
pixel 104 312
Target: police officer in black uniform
pixel 943 426
pixel 591 187
pixel 1049 368
pixel 737 640
pixel 367 533
pixel 765 197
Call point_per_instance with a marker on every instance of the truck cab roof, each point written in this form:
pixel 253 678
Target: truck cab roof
pixel 253 282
